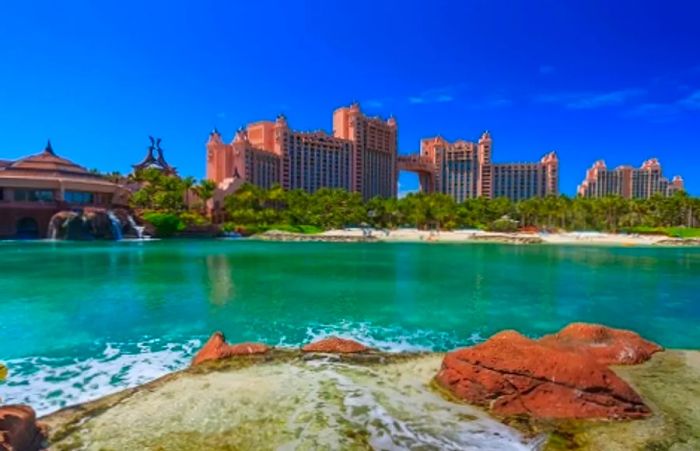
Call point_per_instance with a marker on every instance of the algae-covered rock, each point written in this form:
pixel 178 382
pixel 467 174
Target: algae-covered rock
pixel 299 401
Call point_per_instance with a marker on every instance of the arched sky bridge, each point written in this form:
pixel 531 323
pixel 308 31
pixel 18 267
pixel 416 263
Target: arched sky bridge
pixel 423 166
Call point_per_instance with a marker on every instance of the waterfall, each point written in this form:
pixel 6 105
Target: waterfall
pixel 115 224
pixel 53 230
pixel 138 228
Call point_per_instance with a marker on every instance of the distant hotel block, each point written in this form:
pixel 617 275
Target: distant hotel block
pixel 360 156
pixel 628 182
pixel 464 170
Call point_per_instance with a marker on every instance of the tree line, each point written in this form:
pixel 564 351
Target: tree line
pixel 336 208
pixel 179 202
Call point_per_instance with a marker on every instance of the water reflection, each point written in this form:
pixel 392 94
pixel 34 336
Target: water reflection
pixel 220 280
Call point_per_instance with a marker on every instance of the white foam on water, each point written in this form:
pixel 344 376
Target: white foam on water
pixel 389 339
pixel 49 384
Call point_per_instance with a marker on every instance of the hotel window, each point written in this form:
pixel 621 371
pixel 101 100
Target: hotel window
pixel 78 197
pixel 33 195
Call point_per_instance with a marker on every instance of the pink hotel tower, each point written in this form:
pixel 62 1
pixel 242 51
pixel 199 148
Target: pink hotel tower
pixel 628 182
pixel 464 170
pixel 360 156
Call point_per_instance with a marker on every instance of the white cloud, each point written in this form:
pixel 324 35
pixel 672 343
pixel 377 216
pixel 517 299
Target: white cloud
pixel 665 112
pixel 692 102
pixel 591 100
pixel 373 103
pixel 438 95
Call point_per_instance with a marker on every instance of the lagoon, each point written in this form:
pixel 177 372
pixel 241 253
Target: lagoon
pixel 79 320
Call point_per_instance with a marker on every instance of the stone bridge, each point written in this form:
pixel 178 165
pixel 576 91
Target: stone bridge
pixel 421 165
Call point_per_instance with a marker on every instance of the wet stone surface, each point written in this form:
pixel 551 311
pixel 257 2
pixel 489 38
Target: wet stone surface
pixel 284 401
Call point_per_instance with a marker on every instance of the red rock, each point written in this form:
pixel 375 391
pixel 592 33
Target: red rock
pixel 216 348
pixel 19 430
pixel 335 345
pixel 608 346
pixel 511 374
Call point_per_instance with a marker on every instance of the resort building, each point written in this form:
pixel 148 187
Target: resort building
pixel 34 188
pixel 628 182
pixel 359 156
pixel 464 170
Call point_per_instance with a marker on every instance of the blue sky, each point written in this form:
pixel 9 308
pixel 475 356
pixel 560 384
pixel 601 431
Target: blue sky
pixel 590 79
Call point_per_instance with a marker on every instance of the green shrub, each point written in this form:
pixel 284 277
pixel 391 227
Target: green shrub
pixel 684 232
pixel 677 232
pixel 193 218
pixel 166 224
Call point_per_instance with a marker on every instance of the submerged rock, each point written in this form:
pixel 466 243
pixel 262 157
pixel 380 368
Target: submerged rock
pixel 335 345
pixel 560 376
pixel 19 430
pixel 216 348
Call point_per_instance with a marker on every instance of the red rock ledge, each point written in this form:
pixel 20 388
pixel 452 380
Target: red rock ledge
pixel 564 375
pixel 216 348
pixel 19 430
pixel 335 345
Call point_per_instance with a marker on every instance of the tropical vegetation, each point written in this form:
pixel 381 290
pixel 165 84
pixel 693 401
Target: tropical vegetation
pixel 170 203
pixel 252 207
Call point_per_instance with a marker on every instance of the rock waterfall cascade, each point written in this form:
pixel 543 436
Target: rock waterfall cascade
pixel 139 229
pixel 90 224
pixel 116 225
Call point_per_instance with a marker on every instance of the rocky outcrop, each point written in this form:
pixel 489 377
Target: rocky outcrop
pixel 679 242
pixel 608 346
pixel 335 345
pixel 19 430
pixel 560 376
pixel 216 348
pixel 89 224
pixel 274 235
pixel 507 238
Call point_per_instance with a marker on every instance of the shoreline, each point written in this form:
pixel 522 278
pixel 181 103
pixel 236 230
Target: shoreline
pixel 230 403
pixel 478 236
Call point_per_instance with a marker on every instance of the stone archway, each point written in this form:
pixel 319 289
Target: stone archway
pixel 27 228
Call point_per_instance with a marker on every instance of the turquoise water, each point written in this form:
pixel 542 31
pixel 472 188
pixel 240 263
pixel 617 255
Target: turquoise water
pixel 82 319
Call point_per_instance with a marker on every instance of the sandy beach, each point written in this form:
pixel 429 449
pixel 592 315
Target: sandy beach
pixel 457 236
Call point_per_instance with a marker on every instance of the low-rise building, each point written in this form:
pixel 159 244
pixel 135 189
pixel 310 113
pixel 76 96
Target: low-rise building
pixel 34 188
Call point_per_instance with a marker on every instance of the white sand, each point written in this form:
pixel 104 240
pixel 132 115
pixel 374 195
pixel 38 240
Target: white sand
pixel 415 235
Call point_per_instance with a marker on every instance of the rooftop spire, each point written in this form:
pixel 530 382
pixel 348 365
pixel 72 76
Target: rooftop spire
pixel 48 149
